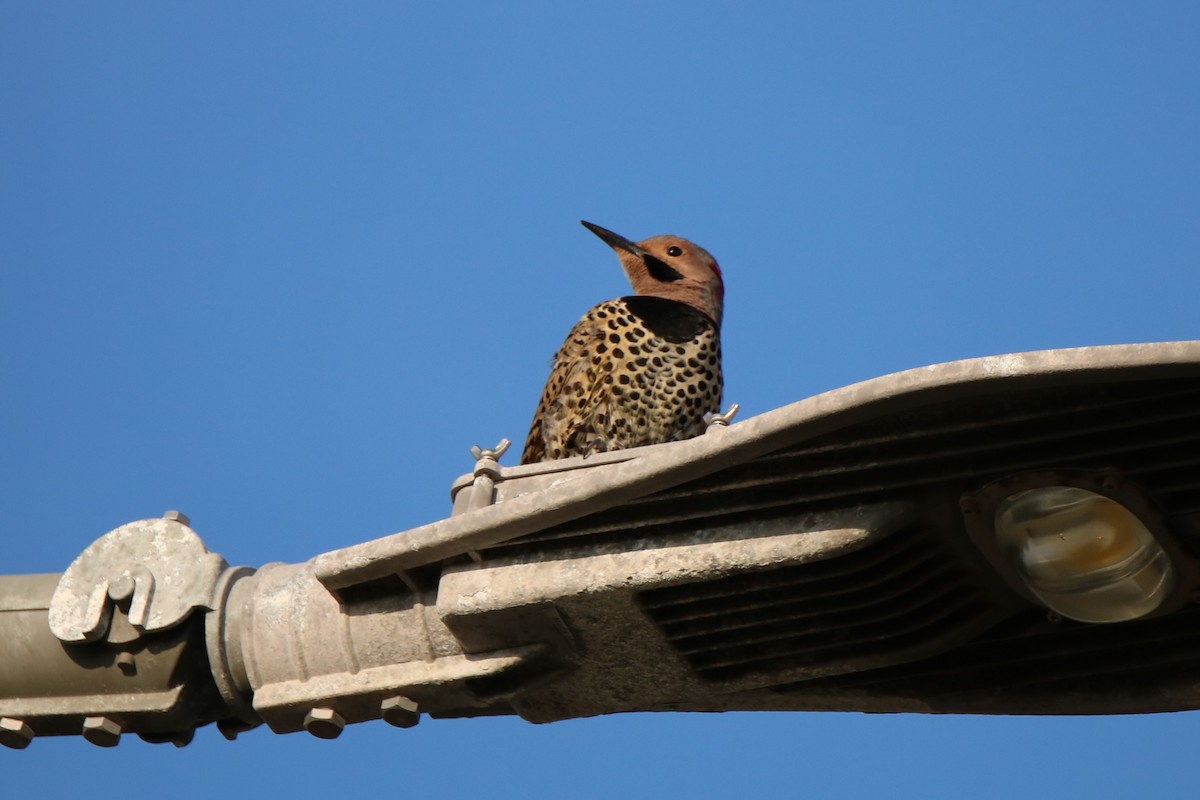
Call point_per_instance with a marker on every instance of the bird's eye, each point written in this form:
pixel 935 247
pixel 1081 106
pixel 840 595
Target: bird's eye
pixel 674 250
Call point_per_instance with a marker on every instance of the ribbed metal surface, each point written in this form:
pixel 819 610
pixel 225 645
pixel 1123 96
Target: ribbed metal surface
pixel 1149 431
pixel 898 599
pixel 1031 653
pixel 911 596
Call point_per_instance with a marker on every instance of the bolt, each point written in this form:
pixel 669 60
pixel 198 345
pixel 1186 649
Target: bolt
pixel 230 727
pixel 102 731
pixel 400 711
pixel 718 420
pixel 324 723
pixel 177 738
pixel 15 733
pixel 126 664
pixel 500 449
pixel 177 516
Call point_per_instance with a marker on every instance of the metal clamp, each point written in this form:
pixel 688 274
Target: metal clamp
pixel 160 567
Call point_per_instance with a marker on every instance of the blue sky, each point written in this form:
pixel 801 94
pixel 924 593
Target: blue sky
pixel 280 265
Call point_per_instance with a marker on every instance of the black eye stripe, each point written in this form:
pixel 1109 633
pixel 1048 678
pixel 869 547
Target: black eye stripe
pixel 660 270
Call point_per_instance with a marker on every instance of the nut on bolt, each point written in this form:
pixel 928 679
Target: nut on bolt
pixel 493 454
pixel 324 723
pixel 400 711
pixel 102 731
pixel 714 420
pixel 15 733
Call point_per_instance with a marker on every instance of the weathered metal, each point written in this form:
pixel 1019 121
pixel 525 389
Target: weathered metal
pixel 815 557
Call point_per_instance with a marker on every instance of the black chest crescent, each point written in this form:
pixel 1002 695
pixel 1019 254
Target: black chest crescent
pixel 669 319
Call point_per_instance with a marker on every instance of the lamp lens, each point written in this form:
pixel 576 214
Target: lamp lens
pixel 1084 555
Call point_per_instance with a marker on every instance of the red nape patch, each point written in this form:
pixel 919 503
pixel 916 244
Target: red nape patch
pixel 717 269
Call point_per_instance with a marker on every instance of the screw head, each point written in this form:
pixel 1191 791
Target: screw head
pixel 324 723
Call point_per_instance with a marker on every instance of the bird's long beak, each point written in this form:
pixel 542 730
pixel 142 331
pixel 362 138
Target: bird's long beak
pixel 614 240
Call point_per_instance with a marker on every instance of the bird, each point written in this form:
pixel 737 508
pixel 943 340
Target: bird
pixel 641 369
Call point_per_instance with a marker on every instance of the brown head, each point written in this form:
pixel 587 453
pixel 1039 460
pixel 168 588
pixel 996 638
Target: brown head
pixel 670 267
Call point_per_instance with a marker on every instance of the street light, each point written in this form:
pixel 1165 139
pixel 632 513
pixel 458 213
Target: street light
pixel 1015 534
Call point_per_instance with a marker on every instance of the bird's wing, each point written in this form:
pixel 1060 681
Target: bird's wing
pixel 554 424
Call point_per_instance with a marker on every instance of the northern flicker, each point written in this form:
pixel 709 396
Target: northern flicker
pixel 641 369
